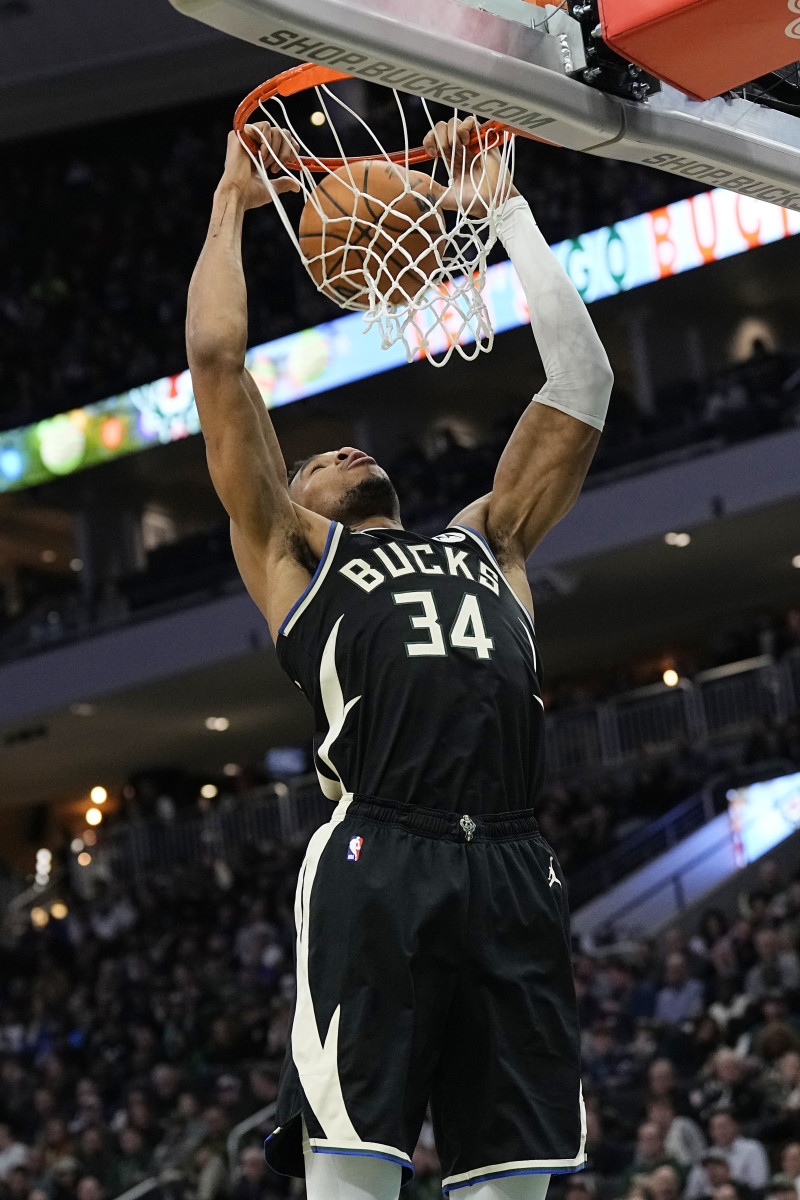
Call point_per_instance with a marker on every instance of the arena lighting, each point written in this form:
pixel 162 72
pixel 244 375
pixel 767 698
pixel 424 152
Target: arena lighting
pixel 317 118
pixel 604 262
pixel 39 917
pixel 670 677
pixel 208 791
pixel 217 724
pixel 58 910
pixel 796 561
pixel 84 859
pixel 677 539
pixel 94 816
pixel 99 795
pixel 76 845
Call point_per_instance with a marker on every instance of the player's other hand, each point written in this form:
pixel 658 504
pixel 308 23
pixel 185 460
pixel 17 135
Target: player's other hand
pixel 275 147
pixel 475 164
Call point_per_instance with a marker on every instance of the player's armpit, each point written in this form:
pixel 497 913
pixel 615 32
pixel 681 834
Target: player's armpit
pixel 510 560
pixel 277 575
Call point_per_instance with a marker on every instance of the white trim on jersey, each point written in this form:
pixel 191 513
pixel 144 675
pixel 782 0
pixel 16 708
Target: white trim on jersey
pixel 484 545
pixel 368 1149
pixel 323 567
pixel 336 711
pixel 317 1061
pixel 524 1166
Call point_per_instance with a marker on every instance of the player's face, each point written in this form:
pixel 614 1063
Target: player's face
pixel 345 485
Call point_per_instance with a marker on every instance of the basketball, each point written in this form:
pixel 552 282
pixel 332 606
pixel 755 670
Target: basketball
pixel 371 223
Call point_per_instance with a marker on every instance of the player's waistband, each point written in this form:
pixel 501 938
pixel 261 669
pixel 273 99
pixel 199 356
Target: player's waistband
pixel 455 826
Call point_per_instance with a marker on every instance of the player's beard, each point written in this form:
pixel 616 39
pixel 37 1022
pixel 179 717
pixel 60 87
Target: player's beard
pixel 371 497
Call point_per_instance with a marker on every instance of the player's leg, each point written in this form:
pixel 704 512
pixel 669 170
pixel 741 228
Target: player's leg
pixel 507 1100
pixel 372 1002
pixel 519 1187
pixel 339 1177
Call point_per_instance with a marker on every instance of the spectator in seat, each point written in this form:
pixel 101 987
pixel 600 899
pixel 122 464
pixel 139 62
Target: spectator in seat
pixel 16 1185
pixel 777 968
pixel 746 1157
pixel 781 1187
pixel 649 1153
pixel 133 1162
pixel 681 997
pixel 726 1086
pixel 665 1183
pixel 662 1082
pixel 790 1164
pixel 12 1152
pixel 683 1137
pixel 253 1182
pixel 709 1176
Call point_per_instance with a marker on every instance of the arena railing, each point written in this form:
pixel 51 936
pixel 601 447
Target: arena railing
pixel 723 704
pixel 716 705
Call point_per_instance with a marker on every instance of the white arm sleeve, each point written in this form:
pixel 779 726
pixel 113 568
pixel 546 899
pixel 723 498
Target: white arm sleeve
pixel 578 373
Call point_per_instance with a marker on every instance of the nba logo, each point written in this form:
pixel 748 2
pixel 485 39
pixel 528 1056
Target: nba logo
pixel 354 849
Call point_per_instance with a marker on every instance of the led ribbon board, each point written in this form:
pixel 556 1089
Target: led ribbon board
pixel 605 262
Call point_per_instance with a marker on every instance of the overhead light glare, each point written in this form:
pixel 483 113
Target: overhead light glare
pixel 208 791
pixel 84 859
pixel 58 910
pixel 217 724
pixel 318 118
pixel 76 845
pixel 99 795
pixel 39 917
pixel 796 561
pixel 93 816
pixel 670 677
pixel 677 539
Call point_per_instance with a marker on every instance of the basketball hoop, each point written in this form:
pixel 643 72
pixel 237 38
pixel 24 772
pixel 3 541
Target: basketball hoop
pixel 430 297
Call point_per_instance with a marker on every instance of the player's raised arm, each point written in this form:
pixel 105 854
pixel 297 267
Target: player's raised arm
pixel 542 468
pixel 269 533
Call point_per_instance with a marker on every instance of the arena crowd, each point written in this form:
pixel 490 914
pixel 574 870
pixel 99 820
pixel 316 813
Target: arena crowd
pixel 140 1029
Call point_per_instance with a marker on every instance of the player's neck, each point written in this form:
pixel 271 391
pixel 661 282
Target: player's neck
pixel 376 523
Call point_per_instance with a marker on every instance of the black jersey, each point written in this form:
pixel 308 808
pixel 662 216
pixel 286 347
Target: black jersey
pixel 422 667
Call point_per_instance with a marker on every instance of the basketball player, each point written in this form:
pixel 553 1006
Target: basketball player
pixel 433 949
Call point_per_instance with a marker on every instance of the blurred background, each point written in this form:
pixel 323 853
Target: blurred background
pixel 155 786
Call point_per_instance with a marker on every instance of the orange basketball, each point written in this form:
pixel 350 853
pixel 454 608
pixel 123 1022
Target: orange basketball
pixel 370 219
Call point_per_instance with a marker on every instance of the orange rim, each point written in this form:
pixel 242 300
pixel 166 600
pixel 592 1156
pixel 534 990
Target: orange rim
pixel 309 75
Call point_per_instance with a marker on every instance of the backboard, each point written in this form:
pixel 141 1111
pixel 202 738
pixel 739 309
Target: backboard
pixel 526 65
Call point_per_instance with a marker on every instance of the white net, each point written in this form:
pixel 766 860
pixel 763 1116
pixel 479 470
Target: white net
pixel 406 247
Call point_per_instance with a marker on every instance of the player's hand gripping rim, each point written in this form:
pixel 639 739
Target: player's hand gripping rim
pixel 275 148
pixel 475 164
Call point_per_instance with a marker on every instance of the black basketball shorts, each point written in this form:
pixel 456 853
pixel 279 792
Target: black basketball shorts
pixel 433 964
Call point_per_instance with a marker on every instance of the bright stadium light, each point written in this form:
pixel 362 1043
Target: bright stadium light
pixel 670 677
pixel 39 917
pixel 58 910
pixel 796 561
pixel 84 859
pixel 208 791
pixel 217 724
pixel 677 539
pixel 318 118
pixel 99 795
pixel 94 816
